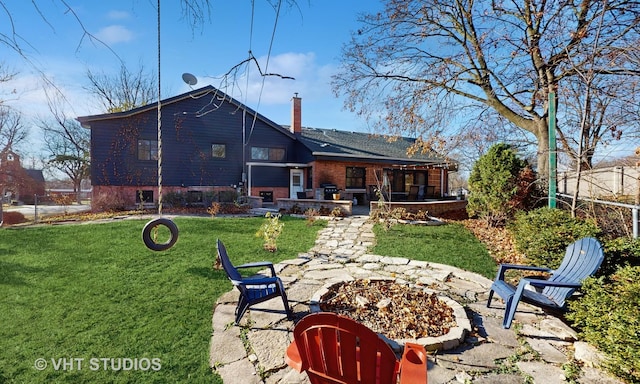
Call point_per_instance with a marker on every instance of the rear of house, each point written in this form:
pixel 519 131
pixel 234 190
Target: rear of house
pixel 211 143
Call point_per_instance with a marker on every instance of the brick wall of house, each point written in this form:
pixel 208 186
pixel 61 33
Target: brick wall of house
pixel 127 194
pixel 334 172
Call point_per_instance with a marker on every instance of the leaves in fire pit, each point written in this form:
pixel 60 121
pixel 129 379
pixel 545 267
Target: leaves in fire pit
pixel 396 310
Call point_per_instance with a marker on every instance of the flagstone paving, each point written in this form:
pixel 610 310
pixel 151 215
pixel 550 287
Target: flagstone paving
pixel 534 350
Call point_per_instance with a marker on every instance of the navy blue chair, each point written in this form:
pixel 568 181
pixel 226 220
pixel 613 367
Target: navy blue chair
pixel 581 260
pixel 255 289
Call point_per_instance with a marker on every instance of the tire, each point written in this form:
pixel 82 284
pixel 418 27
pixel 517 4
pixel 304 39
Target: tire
pixel 151 225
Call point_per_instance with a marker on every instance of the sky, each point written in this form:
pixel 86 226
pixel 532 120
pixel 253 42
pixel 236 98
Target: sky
pixel 306 46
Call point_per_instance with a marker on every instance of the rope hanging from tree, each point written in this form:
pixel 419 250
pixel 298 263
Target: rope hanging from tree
pixel 151 229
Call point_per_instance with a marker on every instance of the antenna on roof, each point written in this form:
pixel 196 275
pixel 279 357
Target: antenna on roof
pixel 189 79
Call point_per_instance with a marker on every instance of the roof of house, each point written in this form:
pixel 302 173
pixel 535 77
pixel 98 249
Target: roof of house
pixel 328 143
pixel 344 144
pixel 35 174
pixel 214 93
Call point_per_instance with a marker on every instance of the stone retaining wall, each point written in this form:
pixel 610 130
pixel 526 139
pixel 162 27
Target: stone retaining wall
pixel 304 204
pixel 434 208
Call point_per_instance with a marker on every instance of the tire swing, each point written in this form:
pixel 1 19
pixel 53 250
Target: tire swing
pixel 151 230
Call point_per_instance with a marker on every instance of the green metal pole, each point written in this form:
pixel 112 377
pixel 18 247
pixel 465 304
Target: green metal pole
pixel 553 176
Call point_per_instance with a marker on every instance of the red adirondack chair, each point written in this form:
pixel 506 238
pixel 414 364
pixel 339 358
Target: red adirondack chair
pixel 334 349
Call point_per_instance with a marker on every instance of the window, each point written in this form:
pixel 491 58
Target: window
pixel 144 196
pixel 218 151
pixel 147 150
pixel 355 177
pixel 264 153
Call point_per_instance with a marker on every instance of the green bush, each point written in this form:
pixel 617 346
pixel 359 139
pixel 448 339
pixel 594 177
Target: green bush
pixel 494 185
pixel 608 317
pixel 619 252
pixel 174 199
pixel 543 234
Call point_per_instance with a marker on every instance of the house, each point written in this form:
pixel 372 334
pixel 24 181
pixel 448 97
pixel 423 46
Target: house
pixel 16 182
pixel 212 142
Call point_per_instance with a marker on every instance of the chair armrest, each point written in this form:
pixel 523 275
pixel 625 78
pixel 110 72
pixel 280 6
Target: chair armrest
pixel 547 283
pixel 259 264
pixel 256 281
pixel 413 366
pixel 292 357
pixel 505 267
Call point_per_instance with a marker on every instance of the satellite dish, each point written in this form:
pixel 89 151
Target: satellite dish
pixel 189 79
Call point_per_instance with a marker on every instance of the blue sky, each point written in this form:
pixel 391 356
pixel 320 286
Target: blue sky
pixel 307 45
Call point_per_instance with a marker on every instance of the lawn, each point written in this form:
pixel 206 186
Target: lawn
pixel 78 296
pixel 450 244
pixel 99 307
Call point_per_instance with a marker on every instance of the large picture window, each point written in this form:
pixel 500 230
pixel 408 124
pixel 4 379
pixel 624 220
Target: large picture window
pixel 355 178
pixel 147 149
pixel 265 153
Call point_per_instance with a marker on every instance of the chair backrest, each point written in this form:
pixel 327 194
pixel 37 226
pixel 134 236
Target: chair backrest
pixel 413 192
pixel 232 272
pixel 581 260
pixel 337 349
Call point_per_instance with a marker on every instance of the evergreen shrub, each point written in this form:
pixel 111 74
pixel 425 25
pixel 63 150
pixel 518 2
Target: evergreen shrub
pixel 543 234
pixel 608 317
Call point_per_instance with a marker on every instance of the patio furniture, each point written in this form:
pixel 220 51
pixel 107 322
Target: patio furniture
pixel 255 289
pixel 333 348
pixel 413 193
pixel 582 259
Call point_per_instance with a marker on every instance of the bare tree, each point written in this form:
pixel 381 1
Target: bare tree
pixel 12 130
pixel 425 66
pixel 124 91
pixel 67 144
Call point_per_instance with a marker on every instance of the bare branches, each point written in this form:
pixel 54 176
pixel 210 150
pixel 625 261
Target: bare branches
pixel 504 55
pixel 124 91
pixel 67 144
pixel 13 132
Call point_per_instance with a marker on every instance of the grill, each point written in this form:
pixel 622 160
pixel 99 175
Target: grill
pixel 329 190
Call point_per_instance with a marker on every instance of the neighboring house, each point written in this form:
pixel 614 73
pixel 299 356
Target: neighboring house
pixel 210 141
pixel 607 182
pixel 18 183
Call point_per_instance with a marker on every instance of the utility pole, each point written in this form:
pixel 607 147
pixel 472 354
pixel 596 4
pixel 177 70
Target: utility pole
pixel 553 161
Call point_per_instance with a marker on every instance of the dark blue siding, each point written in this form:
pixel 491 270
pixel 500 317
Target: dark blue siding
pixel 186 146
pixel 270 176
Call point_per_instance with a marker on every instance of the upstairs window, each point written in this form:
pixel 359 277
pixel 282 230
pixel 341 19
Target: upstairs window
pixel 355 178
pixel 147 149
pixel 218 151
pixel 265 153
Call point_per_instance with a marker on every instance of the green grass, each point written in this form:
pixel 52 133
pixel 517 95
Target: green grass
pixel 94 291
pixel 450 244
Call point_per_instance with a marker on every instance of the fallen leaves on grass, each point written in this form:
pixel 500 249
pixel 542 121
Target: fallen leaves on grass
pixel 498 241
pixel 396 310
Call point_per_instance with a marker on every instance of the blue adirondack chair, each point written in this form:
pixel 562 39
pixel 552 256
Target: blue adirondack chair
pixel 253 290
pixel 582 259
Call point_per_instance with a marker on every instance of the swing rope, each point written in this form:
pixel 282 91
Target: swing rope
pixel 150 230
pixel 159 125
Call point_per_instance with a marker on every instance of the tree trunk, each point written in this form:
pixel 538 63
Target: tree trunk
pixel 542 135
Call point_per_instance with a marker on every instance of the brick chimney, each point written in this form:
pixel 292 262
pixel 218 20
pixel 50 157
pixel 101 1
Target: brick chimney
pixel 296 114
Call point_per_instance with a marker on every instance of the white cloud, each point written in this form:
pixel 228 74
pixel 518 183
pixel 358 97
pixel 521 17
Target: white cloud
pixel 114 34
pixel 118 15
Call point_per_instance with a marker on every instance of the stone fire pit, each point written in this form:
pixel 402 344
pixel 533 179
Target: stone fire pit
pixel 399 312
